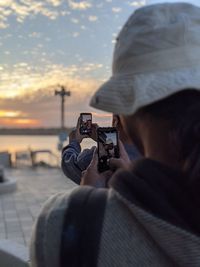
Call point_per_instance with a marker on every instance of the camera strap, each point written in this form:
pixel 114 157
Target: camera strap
pixel 82 227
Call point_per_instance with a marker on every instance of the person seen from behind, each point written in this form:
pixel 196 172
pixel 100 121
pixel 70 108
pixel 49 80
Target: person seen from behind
pixel 151 215
pixel 156 88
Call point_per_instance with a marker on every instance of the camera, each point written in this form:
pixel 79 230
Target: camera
pixel 108 146
pixel 85 123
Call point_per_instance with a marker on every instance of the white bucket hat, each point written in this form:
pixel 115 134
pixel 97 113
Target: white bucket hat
pixel 157 53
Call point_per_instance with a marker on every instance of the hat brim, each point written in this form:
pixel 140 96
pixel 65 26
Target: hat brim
pixel 124 94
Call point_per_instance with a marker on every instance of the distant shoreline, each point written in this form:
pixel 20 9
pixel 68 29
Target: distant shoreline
pixel 33 131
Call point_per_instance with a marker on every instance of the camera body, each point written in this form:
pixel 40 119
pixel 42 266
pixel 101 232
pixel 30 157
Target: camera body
pixel 85 123
pixel 108 146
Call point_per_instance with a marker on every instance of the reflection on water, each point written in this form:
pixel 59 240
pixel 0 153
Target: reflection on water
pixel 14 143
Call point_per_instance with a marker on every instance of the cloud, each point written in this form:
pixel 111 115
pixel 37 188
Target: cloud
pixel 83 27
pixel 54 2
pixel 9 113
pixel 81 5
pixel 49 13
pixel 31 8
pixel 35 35
pixel 44 107
pixel 23 9
pixel 30 91
pixel 19 123
pixel 75 34
pixel 74 20
pixel 16 118
pixel 92 18
pixel 3 25
pixel 138 3
pixel 116 9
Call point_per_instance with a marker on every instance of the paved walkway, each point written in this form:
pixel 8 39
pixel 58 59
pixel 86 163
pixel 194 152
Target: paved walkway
pixel 18 210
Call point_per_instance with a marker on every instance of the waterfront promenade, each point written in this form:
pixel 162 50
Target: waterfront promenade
pixel 18 210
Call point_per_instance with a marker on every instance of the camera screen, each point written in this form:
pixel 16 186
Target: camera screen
pixel 107 148
pixel 86 123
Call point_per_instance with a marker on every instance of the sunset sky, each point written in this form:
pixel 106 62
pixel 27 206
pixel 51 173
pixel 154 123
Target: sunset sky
pixel 47 43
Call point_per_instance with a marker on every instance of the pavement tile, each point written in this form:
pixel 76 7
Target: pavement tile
pixel 11 216
pixel 26 221
pixel 2 235
pixel 18 234
pixel 1 215
pixel 19 240
pixel 2 229
pixel 19 210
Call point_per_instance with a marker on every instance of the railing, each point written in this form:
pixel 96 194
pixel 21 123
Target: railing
pixel 36 158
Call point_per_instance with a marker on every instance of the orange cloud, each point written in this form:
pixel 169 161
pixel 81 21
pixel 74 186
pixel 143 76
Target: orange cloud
pixel 31 93
pixel 9 114
pixel 27 122
pixel 23 79
pixel 19 123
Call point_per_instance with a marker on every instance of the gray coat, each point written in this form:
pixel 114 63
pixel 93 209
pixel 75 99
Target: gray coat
pixel 130 236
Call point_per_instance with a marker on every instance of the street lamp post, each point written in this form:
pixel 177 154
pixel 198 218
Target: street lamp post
pixel 62 93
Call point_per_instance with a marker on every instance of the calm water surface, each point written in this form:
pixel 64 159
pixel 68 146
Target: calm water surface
pixel 13 144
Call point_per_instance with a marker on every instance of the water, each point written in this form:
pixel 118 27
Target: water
pixel 16 143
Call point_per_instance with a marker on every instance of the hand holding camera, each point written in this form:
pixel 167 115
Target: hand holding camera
pixel 92 177
pixel 85 123
pixel 108 146
pixel 84 128
pixel 75 133
pixel 106 158
pixel 106 137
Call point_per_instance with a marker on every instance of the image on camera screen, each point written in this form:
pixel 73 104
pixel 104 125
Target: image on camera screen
pixel 107 148
pixel 86 124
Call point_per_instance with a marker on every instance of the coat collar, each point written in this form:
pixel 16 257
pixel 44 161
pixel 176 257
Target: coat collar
pixel 159 190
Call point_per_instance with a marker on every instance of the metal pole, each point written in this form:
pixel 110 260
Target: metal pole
pixel 62 136
pixel 62 94
pixel 62 111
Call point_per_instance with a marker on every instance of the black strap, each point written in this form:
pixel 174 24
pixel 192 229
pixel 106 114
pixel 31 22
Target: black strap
pixel 82 227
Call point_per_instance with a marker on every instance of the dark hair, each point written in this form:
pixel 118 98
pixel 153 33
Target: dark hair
pixel 182 111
